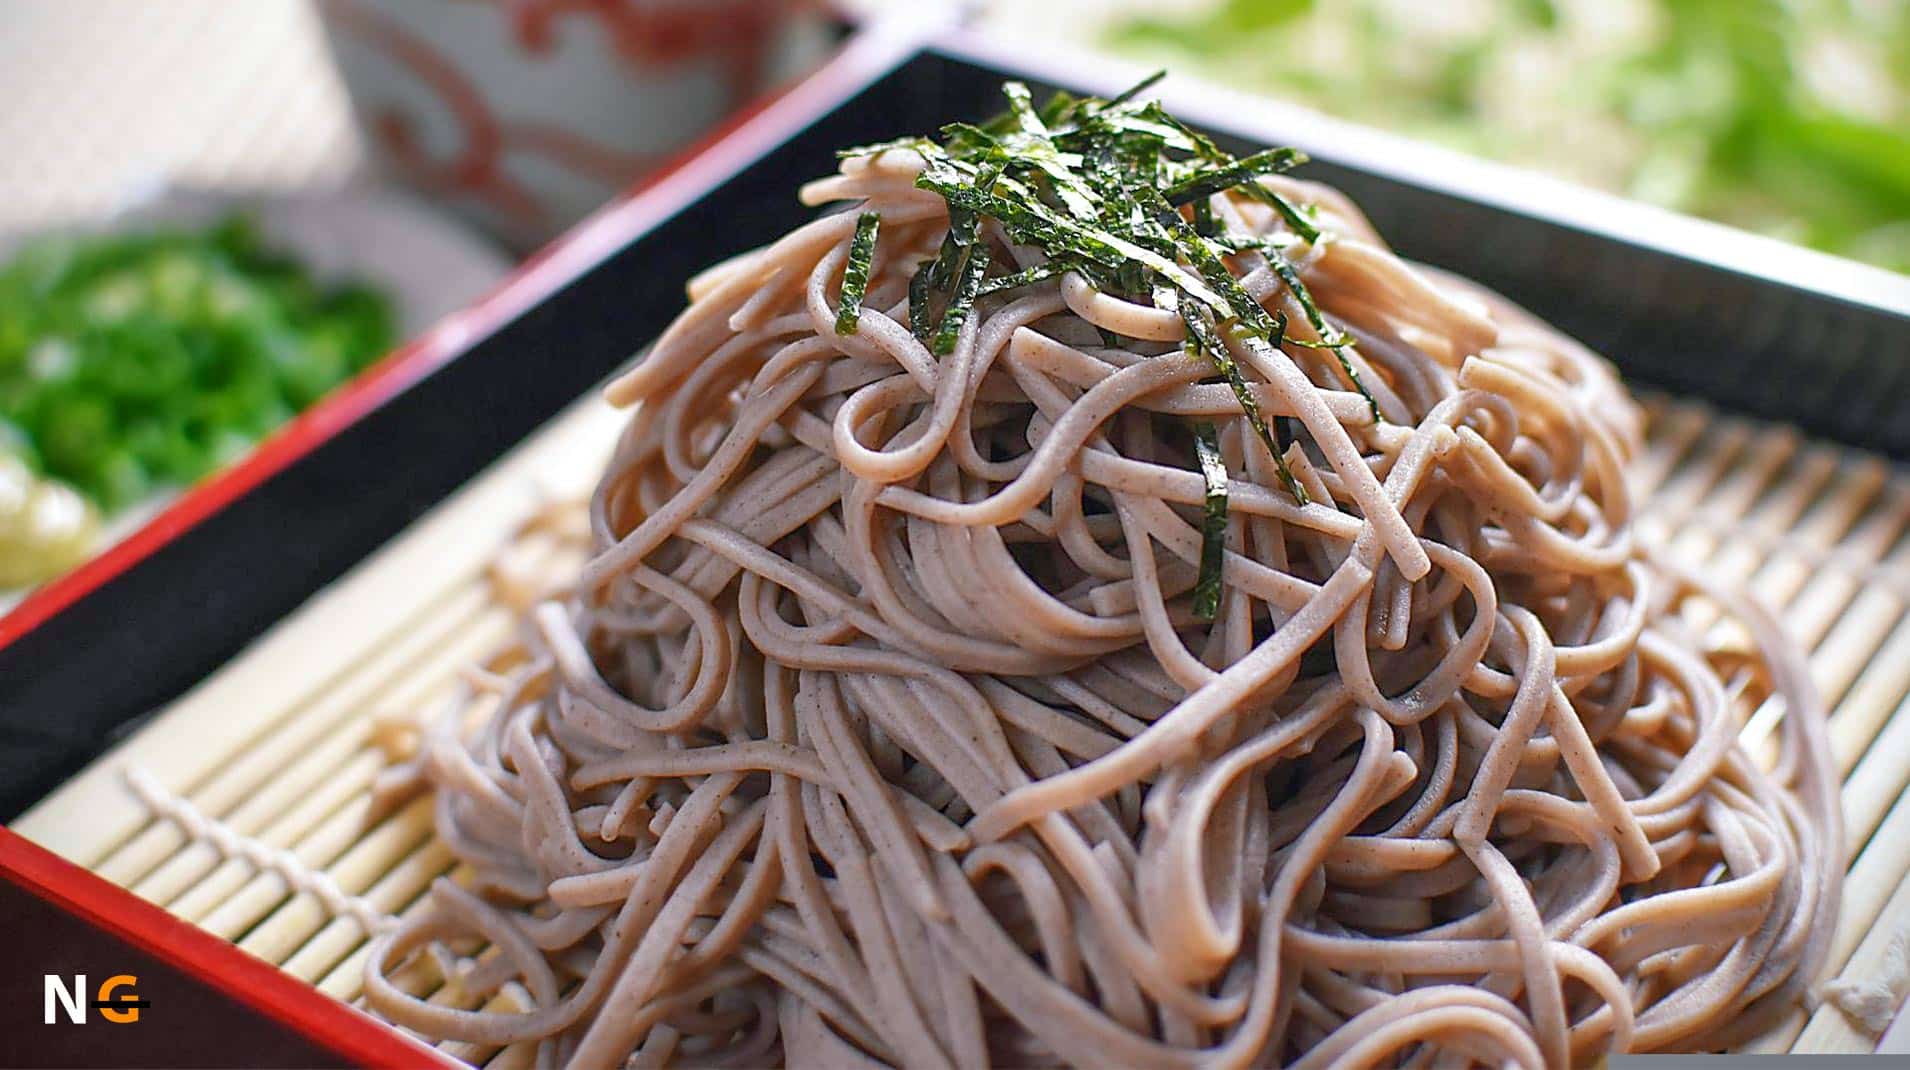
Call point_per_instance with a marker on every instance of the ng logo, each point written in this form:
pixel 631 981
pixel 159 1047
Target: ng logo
pixel 116 1002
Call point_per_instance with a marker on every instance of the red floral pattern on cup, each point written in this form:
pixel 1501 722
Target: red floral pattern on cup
pixel 465 101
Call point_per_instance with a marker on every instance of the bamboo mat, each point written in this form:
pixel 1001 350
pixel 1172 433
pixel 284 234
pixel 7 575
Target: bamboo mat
pixel 273 758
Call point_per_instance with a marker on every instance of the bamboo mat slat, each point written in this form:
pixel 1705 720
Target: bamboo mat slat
pixel 281 748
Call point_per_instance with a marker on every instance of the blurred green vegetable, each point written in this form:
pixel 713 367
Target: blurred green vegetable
pixel 130 362
pixel 1788 117
pixel 45 527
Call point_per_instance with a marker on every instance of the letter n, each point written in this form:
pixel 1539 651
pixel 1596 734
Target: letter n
pixel 57 995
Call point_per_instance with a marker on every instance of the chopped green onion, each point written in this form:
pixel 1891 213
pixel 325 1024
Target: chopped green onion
pixel 855 277
pixel 147 359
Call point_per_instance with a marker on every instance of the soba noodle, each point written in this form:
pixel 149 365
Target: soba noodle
pixel 881 727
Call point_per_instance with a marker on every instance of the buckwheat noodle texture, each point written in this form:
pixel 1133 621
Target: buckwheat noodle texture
pixel 882 727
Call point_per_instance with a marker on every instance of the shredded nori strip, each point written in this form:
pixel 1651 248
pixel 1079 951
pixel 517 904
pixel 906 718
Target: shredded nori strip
pixel 1204 223
pixel 1200 186
pixel 1241 243
pixel 937 275
pixel 1024 277
pixel 1205 337
pixel 1213 529
pixel 855 277
pixel 1100 187
pixel 974 269
pixel 1031 223
pixel 1301 221
pixel 920 320
pixel 1330 336
pixel 1286 431
pixel 1136 89
pixel 913 143
pixel 1206 260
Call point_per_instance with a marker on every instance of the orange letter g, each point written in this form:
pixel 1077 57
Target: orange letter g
pixel 122 1015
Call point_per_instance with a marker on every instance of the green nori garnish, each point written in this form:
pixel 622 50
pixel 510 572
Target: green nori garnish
pixel 855 277
pixel 1106 188
pixel 1213 529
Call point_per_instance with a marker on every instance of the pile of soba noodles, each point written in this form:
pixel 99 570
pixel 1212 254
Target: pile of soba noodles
pixel 1089 603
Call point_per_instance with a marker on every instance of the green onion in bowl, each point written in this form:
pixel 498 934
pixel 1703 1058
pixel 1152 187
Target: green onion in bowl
pixel 45 526
pixel 141 354
pixel 135 361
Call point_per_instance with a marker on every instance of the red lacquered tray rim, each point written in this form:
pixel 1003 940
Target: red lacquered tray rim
pixel 744 136
pixel 246 979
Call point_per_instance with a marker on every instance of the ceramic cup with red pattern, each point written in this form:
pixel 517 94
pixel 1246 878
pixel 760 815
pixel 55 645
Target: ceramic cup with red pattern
pixel 523 115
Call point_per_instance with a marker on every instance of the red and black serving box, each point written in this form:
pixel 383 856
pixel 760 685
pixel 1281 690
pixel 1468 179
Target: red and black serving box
pixel 1747 323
